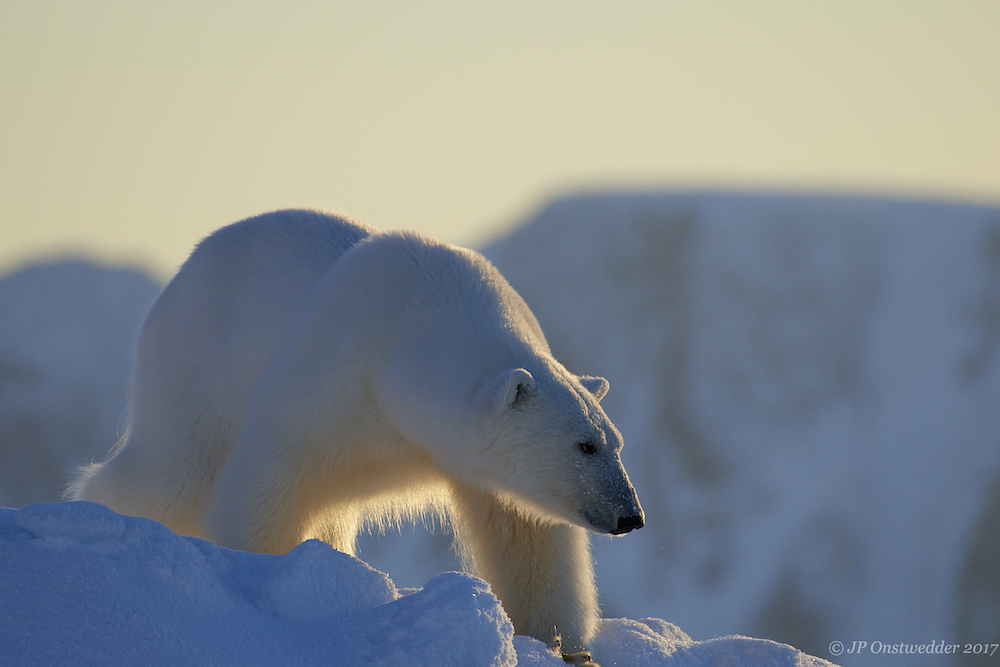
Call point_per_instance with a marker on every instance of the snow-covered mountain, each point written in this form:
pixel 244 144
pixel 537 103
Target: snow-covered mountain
pixel 66 334
pixel 809 390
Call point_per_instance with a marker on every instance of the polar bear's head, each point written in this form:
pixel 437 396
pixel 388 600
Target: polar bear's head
pixel 549 444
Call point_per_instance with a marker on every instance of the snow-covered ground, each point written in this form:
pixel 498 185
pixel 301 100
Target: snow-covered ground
pixel 808 388
pixel 82 585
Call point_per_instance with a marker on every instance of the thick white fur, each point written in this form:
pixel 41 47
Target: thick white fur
pixel 305 376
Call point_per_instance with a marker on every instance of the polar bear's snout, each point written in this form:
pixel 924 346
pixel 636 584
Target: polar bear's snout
pixel 612 525
pixel 616 510
pixel 630 514
pixel 629 523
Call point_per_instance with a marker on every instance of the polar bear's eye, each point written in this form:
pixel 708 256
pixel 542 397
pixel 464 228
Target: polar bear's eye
pixel 588 447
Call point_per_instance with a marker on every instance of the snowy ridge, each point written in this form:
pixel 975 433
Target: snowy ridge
pixel 83 585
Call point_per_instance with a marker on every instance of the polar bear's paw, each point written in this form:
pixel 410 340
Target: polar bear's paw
pixel 581 659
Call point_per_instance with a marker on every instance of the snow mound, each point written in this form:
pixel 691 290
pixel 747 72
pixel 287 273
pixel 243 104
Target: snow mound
pixel 652 642
pixel 83 585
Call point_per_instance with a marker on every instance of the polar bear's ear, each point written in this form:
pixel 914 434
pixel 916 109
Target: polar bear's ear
pixel 515 385
pixel 596 386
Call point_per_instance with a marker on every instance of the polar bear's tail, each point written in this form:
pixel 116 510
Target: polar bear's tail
pixel 98 483
pixel 81 480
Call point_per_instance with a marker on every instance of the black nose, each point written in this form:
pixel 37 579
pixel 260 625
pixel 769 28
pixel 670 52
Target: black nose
pixel 627 523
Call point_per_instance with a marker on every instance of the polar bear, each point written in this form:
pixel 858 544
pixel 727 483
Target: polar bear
pixel 307 376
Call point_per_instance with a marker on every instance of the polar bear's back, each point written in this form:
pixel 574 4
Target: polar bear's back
pixel 231 300
pixel 206 340
pixel 228 308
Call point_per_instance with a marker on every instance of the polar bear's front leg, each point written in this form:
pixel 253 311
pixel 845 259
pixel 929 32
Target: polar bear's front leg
pixel 542 572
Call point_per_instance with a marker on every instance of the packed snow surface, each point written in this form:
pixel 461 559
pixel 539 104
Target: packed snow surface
pixel 82 585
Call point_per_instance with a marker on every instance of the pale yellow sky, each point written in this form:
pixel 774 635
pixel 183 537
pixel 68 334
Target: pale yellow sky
pixel 130 130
